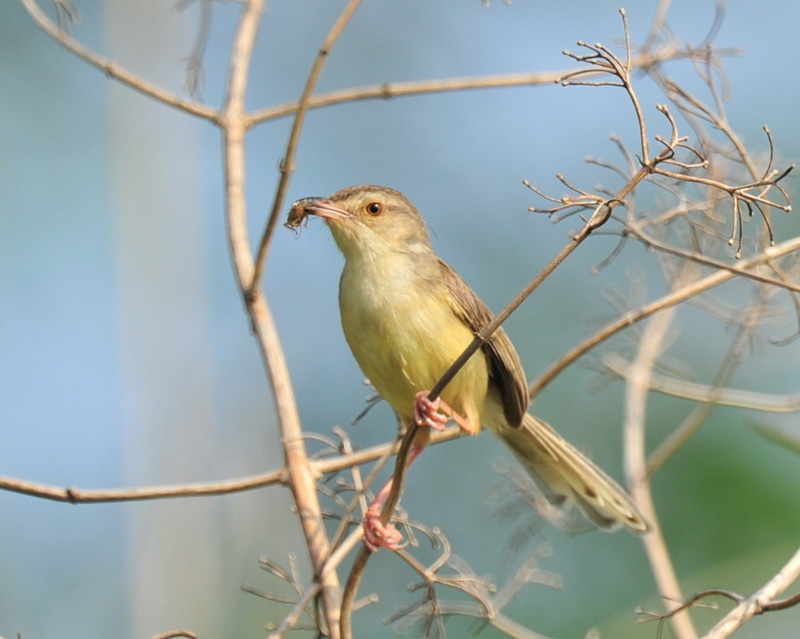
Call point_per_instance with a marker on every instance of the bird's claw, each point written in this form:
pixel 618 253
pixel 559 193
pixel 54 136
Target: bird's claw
pixel 380 535
pixel 426 412
pixel 435 414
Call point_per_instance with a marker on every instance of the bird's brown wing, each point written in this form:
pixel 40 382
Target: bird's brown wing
pixel 505 368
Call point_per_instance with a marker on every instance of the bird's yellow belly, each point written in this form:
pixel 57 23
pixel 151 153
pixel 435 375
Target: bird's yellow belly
pixel 405 339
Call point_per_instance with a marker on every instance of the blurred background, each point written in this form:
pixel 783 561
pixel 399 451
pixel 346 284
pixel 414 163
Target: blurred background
pixel 126 357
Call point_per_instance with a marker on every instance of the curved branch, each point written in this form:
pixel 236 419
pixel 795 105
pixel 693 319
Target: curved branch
pixel 287 165
pixel 650 347
pixel 112 69
pixel 759 601
pixel 707 394
pixel 671 299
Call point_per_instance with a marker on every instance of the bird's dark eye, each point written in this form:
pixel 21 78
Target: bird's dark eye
pixel 374 208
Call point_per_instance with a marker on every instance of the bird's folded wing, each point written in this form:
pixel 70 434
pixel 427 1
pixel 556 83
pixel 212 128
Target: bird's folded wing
pixel 505 368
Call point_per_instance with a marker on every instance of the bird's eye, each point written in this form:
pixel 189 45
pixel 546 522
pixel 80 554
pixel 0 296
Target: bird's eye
pixel 374 208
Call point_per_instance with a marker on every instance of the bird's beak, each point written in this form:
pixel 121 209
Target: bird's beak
pixel 323 207
pixel 320 206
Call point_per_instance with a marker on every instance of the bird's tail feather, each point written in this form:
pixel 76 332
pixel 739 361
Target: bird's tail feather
pixel 566 476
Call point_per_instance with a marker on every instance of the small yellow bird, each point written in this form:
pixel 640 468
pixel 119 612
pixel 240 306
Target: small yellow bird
pixel 407 316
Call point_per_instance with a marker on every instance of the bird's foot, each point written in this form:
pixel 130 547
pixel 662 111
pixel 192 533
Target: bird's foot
pixel 426 412
pixel 380 535
pixel 435 414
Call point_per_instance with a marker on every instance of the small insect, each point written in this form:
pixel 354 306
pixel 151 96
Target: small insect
pixel 298 214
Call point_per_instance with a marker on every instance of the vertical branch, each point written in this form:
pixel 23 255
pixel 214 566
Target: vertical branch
pixel 752 317
pixel 287 165
pixel 233 123
pixel 636 466
pixel 625 76
pixel 360 563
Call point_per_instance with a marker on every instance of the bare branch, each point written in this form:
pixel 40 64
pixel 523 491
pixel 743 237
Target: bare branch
pixel 650 346
pixel 704 393
pixel 444 85
pixel 112 69
pixel 271 478
pixel 764 600
pixel 301 480
pixel 676 297
pixel 171 634
pixel 287 165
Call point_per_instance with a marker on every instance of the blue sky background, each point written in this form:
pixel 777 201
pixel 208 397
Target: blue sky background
pixel 126 358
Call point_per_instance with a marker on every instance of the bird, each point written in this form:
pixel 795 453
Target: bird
pixel 407 316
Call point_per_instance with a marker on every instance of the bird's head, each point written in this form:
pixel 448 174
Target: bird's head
pixel 367 219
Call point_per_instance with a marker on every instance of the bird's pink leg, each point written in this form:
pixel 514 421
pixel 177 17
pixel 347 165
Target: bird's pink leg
pixel 426 414
pixel 376 533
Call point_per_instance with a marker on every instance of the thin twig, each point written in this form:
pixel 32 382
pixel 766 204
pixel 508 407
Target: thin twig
pixel 287 166
pixel 81 496
pixel 360 563
pixel 675 297
pixel 705 393
pixel 759 601
pixel 650 346
pixel 600 216
pixel 290 620
pixel 730 364
pixel 389 90
pixel 173 634
pixel 112 69
pixel 635 230
pixel 224 487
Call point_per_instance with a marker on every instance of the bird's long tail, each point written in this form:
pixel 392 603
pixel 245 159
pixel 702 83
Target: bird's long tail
pixel 568 477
